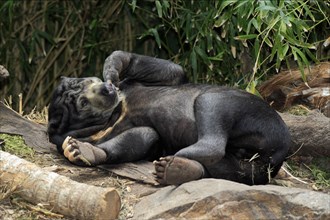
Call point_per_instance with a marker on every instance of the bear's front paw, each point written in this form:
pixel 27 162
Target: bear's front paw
pixel 82 153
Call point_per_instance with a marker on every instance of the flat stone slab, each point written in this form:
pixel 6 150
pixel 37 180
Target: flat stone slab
pixel 140 171
pixel 222 199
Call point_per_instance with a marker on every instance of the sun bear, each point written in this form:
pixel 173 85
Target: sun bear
pixel 146 109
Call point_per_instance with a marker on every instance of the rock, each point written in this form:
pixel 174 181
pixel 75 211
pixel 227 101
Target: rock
pixel 222 199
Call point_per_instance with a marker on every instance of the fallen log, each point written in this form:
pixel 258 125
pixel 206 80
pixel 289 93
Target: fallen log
pixel 288 88
pixel 57 193
pixel 310 133
pixel 34 134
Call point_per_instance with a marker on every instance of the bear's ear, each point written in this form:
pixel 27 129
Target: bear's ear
pixel 65 80
pixel 64 77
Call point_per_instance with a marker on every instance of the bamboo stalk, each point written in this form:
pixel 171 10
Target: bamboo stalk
pixel 57 193
pixel 20 104
pixel 41 72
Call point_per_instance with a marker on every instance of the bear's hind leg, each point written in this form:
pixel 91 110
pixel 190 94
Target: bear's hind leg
pixel 247 171
pixel 172 170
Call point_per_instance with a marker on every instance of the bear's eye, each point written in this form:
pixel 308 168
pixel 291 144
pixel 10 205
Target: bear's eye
pixel 83 102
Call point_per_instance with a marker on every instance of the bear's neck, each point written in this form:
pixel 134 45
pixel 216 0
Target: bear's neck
pixel 115 115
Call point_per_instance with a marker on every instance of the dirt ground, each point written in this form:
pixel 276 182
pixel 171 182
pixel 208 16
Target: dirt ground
pixel 298 171
pixel 13 207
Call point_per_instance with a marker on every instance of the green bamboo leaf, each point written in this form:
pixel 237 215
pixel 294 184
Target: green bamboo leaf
pixel 166 4
pixel 287 20
pixel 256 24
pixel 224 4
pixel 46 36
pixel 274 21
pixel 22 50
pixel 278 65
pixel 199 51
pixel 301 25
pixel 93 24
pixel 301 55
pixel 282 27
pixel 154 33
pixel 256 47
pixel 283 52
pixel 223 19
pixel 311 55
pixel 218 57
pixel 302 71
pixel 32 47
pixel 249 25
pixel 89 45
pixel 281 3
pixel 268 42
pixel 188 26
pixel 252 88
pixel 134 5
pixel 300 64
pixel 293 41
pixel 308 12
pixel 202 54
pixel 209 42
pixel 159 9
pixel 39 42
pixel 295 57
pixel 242 5
pixel 246 37
pixel 276 49
pixel 266 8
pixel 9 4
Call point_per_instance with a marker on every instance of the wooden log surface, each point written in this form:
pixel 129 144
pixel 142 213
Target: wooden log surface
pixel 310 134
pixel 57 193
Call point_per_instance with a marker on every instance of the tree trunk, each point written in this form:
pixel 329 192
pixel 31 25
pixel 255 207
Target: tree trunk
pixel 56 192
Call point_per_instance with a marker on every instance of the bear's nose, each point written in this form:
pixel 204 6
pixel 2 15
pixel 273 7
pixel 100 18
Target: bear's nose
pixel 104 91
pixel 107 89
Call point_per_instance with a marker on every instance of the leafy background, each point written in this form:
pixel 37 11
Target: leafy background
pixel 233 42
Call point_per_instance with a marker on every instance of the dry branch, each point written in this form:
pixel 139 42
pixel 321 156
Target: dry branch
pixel 56 192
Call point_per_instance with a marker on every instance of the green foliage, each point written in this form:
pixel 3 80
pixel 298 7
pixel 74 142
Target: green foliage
pixel 239 41
pixel 42 40
pixel 185 31
pixel 235 42
pixel 316 170
pixel 14 144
